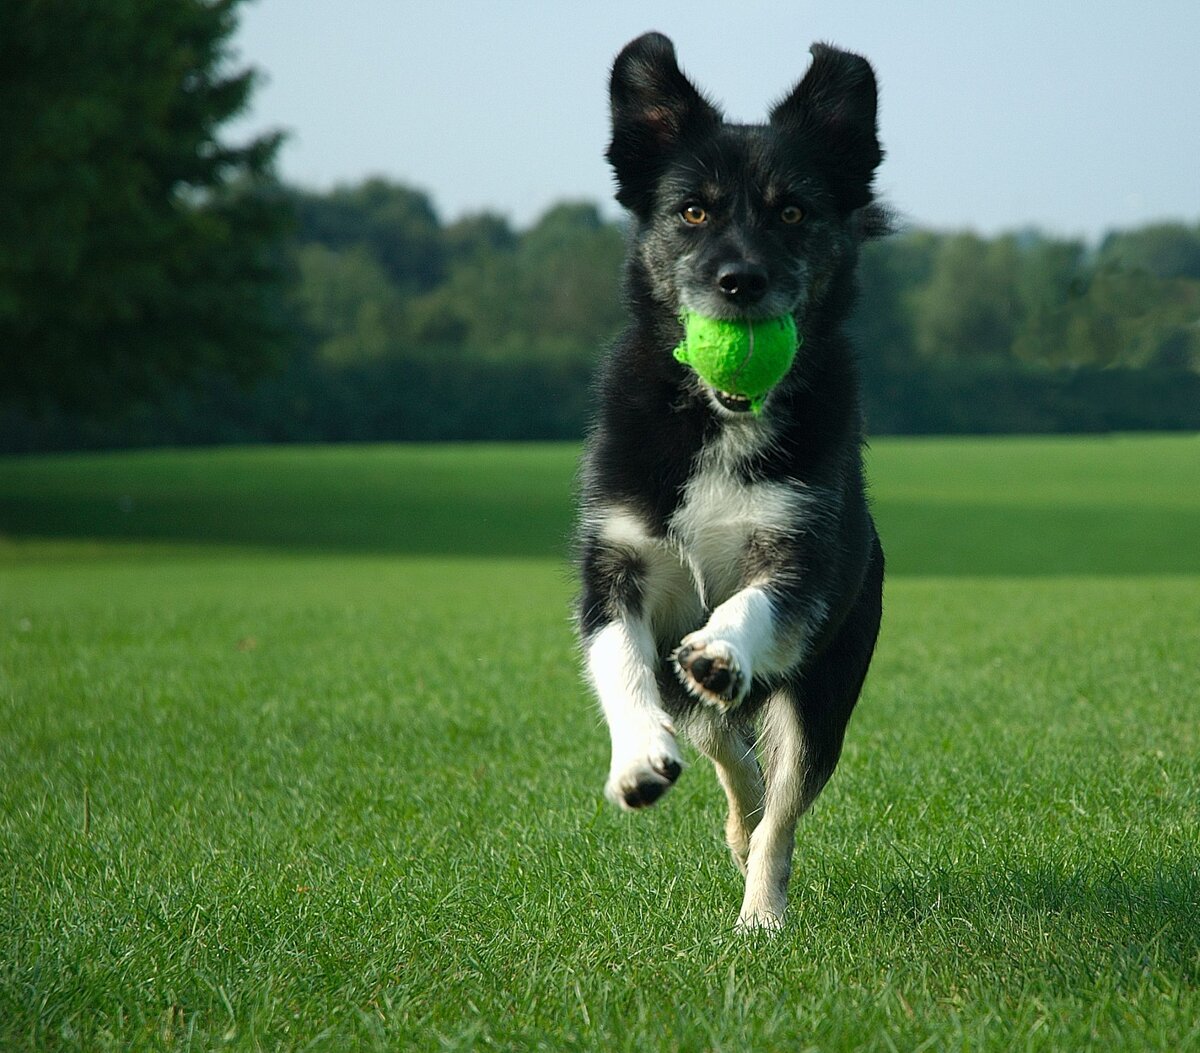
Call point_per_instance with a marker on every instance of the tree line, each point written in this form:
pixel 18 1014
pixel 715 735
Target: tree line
pixel 158 285
pixel 398 325
pixel 380 277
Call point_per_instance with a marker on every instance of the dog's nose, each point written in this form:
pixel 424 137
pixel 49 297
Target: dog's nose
pixel 743 282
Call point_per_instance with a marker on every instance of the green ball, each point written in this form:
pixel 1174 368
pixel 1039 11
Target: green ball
pixel 742 356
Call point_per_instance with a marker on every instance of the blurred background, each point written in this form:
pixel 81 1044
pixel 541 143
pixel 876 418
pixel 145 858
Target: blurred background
pixel 299 220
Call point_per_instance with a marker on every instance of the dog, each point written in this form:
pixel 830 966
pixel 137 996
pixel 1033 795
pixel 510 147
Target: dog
pixel 731 573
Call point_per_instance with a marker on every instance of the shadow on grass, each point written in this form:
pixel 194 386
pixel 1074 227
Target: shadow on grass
pixel 517 501
pixel 1016 540
pixel 941 540
pixel 1070 927
pixel 418 525
pixel 469 501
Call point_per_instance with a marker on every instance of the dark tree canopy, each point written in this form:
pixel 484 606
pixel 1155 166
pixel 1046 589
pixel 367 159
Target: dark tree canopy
pixel 395 223
pixel 137 249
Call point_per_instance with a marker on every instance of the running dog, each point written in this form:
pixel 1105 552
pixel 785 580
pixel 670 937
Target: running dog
pixel 731 573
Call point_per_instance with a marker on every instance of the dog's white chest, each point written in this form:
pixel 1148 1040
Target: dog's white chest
pixel 716 521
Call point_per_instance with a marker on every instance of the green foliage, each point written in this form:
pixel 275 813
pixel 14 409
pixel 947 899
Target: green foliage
pixel 1149 287
pixel 548 294
pixel 891 274
pixel 137 249
pixel 478 235
pixel 353 312
pixel 955 301
pixel 1166 250
pixel 1115 322
pixel 1114 315
pixel 970 309
pixel 296 754
pixel 396 224
pixel 472 292
pixel 1052 278
pixel 570 263
pixel 1049 304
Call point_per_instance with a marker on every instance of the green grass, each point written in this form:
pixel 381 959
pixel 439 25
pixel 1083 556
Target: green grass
pixel 294 753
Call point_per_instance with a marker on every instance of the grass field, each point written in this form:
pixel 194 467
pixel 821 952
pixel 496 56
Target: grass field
pixel 295 754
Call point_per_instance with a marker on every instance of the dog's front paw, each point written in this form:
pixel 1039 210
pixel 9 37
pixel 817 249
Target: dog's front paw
pixel 713 671
pixel 646 771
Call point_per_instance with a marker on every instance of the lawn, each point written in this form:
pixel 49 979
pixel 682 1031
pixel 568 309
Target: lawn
pixel 295 753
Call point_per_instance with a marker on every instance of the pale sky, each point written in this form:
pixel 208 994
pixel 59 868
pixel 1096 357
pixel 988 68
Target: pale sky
pixel 1073 117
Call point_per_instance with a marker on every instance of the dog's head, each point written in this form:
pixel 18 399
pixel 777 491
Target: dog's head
pixel 742 220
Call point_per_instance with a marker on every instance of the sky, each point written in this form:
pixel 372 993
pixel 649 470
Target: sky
pixel 1074 118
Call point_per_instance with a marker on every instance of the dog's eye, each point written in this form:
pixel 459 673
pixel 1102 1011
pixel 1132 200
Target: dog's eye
pixel 792 214
pixel 694 215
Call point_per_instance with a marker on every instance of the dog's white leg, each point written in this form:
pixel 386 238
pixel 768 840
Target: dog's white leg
pixel 769 864
pixel 621 658
pixel 739 641
pixel 732 754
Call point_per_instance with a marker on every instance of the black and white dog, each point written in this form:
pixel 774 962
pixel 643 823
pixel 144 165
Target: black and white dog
pixel 731 572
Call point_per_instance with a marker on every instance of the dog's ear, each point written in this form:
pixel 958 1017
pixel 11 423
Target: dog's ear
pixel 833 107
pixel 655 111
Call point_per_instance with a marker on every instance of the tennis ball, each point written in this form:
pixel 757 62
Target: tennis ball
pixel 740 356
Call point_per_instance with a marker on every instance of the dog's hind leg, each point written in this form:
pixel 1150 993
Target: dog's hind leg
pixel 788 792
pixel 800 741
pixel 732 752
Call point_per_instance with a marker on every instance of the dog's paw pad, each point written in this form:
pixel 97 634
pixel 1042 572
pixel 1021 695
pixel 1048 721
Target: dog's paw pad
pixel 712 672
pixel 640 783
pixel 643 794
pixel 667 767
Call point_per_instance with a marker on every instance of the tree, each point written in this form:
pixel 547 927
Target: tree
pixel 570 268
pixel 137 249
pixel 397 224
pixel 890 274
pixel 1166 250
pixel 1053 278
pixel 1132 318
pixel 479 235
pixel 349 309
pixel 551 294
pixel 969 311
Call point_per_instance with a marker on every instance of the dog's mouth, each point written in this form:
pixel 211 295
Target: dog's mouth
pixel 733 403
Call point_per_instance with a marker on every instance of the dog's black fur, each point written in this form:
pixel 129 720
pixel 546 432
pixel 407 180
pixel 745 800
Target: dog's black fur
pixel 714 210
